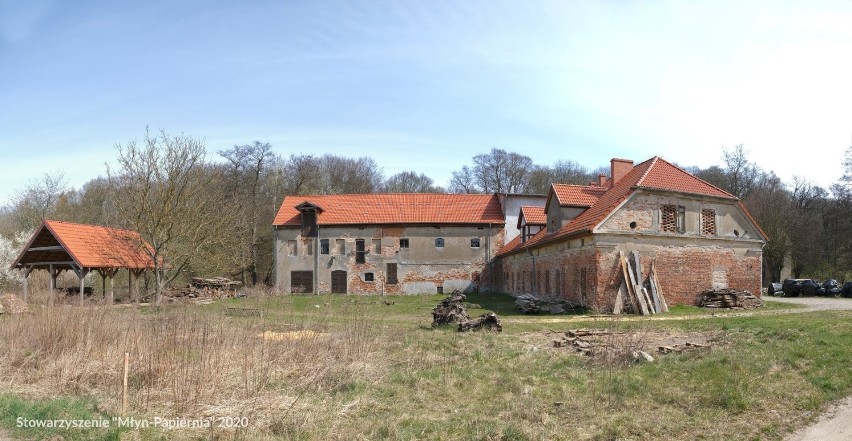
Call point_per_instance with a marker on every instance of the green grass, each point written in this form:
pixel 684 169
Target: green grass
pixel 16 414
pixel 764 373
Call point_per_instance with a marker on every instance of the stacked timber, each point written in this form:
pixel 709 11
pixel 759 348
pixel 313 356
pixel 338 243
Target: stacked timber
pixel 728 298
pixel 636 294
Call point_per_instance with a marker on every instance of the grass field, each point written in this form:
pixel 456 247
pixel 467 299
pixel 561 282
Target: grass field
pixel 348 367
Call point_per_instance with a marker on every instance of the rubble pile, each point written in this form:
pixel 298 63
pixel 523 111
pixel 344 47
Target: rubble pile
pixel 530 304
pixel 488 321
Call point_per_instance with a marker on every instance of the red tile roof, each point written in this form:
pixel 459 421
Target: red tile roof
pixel 396 208
pixel 90 246
pixel 578 195
pixel 654 174
pixel 532 215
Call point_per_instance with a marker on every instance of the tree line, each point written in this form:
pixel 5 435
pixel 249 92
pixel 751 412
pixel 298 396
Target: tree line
pixel 209 213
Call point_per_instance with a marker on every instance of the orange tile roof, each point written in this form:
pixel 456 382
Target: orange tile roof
pixel 532 215
pixel 90 246
pixel 577 195
pixel 395 208
pixel 655 174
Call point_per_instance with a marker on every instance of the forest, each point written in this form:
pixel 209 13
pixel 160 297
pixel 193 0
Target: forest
pixel 209 213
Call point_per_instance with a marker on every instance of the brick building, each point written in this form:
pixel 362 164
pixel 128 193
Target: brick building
pixel 698 236
pixel 386 243
pixel 564 245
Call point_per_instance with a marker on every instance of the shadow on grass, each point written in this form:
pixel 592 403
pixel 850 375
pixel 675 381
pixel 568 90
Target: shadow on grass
pixel 504 306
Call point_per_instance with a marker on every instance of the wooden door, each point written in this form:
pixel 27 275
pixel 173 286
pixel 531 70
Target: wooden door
pixel 301 281
pixel 338 282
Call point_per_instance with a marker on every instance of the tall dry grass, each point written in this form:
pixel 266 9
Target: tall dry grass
pixel 186 361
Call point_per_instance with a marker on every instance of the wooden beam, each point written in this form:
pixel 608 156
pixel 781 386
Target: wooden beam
pixel 51 248
pixel 69 263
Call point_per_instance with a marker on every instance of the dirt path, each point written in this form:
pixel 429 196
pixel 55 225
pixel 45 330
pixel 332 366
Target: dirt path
pixel 816 303
pixel 833 425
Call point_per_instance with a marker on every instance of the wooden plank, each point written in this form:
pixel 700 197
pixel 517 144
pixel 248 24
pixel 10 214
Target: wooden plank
pixel 619 298
pixel 637 290
pixel 634 301
pixel 637 265
pixel 649 301
pixel 653 285
pixel 654 302
pixel 664 306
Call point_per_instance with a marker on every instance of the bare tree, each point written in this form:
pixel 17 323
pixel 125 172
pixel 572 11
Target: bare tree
pixel 410 182
pixel 248 172
pixel 164 190
pixel 562 172
pixel 39 199
pixel 463 181
pixel 742 174
pixel 500 171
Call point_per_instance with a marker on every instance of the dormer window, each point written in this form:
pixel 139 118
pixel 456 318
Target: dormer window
pixel 309 214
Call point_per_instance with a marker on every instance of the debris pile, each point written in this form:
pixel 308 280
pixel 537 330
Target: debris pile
pixel 637 295
pixel 11 304
pixel 530 304
pixel 452 310
pixel 728 298
pixel 604 342
pixel 488 321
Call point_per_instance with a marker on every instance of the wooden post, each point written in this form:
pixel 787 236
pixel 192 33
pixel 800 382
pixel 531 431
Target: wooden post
pixel 82 276
pixel 124 394
pixel 52 285
pixel 102 273
pixel 26 285
pixel 111 298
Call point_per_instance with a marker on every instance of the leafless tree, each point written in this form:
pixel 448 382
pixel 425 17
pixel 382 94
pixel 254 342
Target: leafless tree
pixel 410 182
pixel 39 199
pixel 500 171
pixel 248 173
pixel 164 190
pixel 463 181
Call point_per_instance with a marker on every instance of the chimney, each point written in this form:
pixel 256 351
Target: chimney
pixel 601 180
pixel 619 169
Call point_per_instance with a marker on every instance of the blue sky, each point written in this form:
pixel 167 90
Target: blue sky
pixel 425 85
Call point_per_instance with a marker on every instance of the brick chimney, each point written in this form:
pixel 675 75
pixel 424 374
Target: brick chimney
pixel 601 180
pixel 619 169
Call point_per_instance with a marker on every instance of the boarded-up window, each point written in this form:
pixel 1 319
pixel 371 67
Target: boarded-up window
pixel 377 246
pixel 301 281
pixel 359 251
pixel 340 247
pixel 672 219
pixel 369 277
pixel 324 246
pixel 309 247
pixel 708 222
pixel 291 248
pixel 391 271
pixel 309 224
pixel 338 282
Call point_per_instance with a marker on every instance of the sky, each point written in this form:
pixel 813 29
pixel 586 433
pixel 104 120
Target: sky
pixel 426 85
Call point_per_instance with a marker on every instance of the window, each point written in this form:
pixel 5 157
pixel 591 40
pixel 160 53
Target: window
pixel 377 246
pixel 708 222
pixel 439 242
pixel 359 251
pixel 474 243
pixel 369 277
pixel 340 247
pixel 309 224
pixel 403 242
pixel 324 246
pixel 309 247
pixel 673 219
pixel 391 271
pixel 291 247
pixel 440 290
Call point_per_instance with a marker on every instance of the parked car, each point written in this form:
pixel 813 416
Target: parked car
pixel 776 289
pixel 847 290
pixel 792 287
pixel 832 288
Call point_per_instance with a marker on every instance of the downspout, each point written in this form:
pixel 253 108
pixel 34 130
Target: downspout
pixel 316 260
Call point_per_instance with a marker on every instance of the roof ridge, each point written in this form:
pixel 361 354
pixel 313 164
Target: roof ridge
pixel 89 225
pixel 702 180
pixel 653 160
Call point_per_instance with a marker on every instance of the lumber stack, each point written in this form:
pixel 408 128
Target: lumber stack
pixel 728 298
pixel 637 294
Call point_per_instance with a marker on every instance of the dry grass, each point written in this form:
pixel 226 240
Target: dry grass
pixel 185 361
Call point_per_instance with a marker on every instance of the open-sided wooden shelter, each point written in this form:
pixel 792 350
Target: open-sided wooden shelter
pixel 58 246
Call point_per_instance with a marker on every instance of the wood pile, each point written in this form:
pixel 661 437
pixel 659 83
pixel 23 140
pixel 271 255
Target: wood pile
pixel 12 304
pixel 216 288
pixel 636 294
pixel 576 339
pixel 728 298
pixel 681 348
